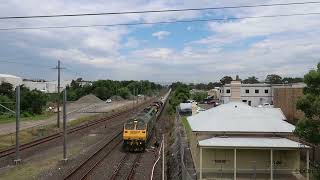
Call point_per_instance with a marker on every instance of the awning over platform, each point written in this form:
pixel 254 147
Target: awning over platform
pixel 251 142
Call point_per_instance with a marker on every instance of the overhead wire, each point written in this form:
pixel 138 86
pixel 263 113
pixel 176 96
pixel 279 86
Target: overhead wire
pixel 159 22
pixel 158 11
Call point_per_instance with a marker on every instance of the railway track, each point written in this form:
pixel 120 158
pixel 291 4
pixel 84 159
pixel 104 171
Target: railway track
pixel 49 138
pixel 121 165
pixel 86 167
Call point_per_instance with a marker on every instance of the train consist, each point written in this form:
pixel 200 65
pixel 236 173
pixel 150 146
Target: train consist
pixel 138 130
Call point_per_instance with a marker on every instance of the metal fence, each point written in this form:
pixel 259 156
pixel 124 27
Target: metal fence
pixel 187 168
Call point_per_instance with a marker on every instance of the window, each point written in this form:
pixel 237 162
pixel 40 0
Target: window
pixel 266 91
pixel 228 90
pixel 247 91
pixel 256 91
pixel 244 100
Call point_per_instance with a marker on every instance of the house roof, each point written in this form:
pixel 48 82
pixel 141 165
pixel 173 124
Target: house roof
pixel 240 117
pixel 249 142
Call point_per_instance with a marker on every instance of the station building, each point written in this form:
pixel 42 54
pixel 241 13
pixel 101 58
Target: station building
pixel 238 141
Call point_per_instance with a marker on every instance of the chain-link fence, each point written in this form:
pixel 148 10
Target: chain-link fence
pixel 187 167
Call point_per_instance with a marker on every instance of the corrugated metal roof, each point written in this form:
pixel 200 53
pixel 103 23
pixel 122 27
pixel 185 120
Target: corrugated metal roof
pixel 241 142
pixel 240 117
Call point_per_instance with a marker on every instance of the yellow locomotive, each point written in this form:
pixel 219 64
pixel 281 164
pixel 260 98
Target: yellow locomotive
pixel 138 130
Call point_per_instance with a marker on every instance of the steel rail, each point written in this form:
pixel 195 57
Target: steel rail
pixel 77 174
pixel 36 142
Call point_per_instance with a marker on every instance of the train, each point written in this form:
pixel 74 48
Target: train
pixel 138 130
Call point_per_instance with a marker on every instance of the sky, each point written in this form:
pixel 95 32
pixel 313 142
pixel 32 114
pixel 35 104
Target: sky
pixel 189 52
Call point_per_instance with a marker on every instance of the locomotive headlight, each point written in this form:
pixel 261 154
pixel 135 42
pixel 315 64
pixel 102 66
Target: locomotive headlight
pixel 143 131
pixel 125 131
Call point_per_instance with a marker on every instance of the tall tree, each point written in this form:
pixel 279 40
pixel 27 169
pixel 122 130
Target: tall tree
pixel 226 80
pixel 273 79
pixel 309 128
pixel 251 80
pixel 6 89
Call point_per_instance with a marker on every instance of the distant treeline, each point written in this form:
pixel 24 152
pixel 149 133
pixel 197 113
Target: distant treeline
pixel 270 79
pixel 105 89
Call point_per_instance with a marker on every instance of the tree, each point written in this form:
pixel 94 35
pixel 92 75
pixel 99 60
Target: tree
pixel 102 92
pixel 273 79
pixel 33 101
pixel 309 128
pixel 199 96
pixel 226 80
pixel 124 92
pixel 5 100
pixel 6 89
pixel 251 80
pixel 292 80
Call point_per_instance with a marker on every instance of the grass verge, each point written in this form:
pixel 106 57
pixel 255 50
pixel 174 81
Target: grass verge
pixel 187 127
pixel 8 119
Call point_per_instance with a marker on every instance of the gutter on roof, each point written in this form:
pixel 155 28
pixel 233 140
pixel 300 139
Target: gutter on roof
pixel 239 132
pixel 250 147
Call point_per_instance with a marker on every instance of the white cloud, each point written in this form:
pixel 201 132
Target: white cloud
pixel 161 34
pixel 287 45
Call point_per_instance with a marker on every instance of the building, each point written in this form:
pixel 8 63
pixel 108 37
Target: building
pixel 251 94
pixel 286 99
pixel 235 140
pixel 14 80
pixel 215 93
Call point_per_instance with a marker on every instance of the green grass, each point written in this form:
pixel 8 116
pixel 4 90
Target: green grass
pixel 187 127
pixel 8 119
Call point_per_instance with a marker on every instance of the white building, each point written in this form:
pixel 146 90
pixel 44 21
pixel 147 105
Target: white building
pixel 251 94
pixel 45 86
pixel 235 140
pixel 14 80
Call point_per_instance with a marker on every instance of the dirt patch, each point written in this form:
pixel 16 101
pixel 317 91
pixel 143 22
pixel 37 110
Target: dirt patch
pixel 89 99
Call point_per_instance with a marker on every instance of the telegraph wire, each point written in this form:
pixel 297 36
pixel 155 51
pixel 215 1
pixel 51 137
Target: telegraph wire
pixel 158 11
pixel 159 22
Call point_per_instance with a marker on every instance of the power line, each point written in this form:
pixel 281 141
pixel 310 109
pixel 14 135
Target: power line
pixel 157 11
pixel 159 22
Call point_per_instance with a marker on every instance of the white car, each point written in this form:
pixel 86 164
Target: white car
pixel 108 101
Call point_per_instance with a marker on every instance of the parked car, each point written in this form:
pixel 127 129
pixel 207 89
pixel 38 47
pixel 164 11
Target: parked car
pixel 108 101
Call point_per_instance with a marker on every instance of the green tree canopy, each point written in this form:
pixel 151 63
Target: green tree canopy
pixel 273 79
pixel 6 89
pixel 226 80
pixel 251 80
pixel 309 128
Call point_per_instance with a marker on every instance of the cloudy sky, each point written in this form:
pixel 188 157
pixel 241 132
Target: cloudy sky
pixel 191 52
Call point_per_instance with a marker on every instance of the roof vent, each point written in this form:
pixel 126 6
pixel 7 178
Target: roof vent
pixel 235 106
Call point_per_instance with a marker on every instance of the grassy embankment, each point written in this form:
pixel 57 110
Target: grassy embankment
pixel 187 127
pixel 31 134
pixel 8 119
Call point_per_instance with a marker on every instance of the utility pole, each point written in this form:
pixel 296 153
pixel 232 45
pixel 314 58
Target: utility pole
pixel 133 98
pixel 137 96
pixel 58 67
pixel 65 125
pixel 18 159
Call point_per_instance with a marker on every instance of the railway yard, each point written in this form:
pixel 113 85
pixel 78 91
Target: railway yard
pixel 94 151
